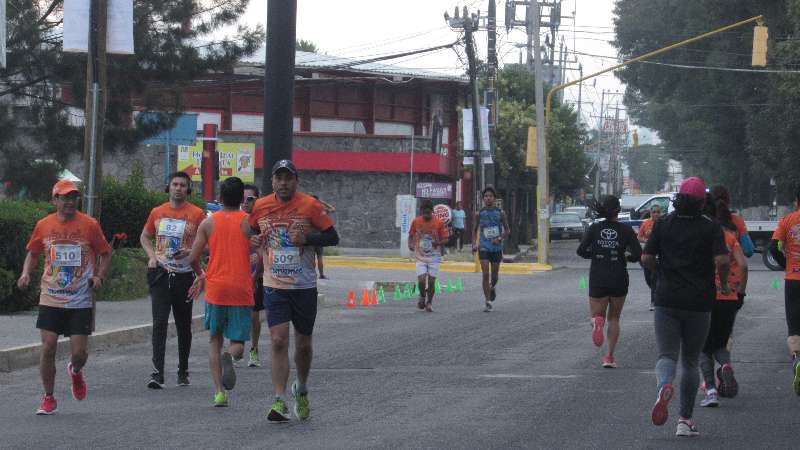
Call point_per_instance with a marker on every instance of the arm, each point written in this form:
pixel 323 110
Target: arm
pixel 199 244
pixel 30 262
pixel 146 240
pixel 775 251
pixel 506 228
pixel 634 248
pixel 741 261
pixel 477 223
pixel 585 247
pixel 326 238
pixel 103 264
pixel 723 263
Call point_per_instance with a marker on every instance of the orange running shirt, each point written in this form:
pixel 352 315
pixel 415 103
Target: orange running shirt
pixel 645 229
pixel 174 230
pixel 70 252
pixel 423 233
pixel 788 232
pixel 734 273
pixel 741 228
pixel 228 279
pixel 287 266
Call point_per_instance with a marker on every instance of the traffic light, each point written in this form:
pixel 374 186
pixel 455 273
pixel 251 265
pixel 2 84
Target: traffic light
pixel 531 155
pixel 760 37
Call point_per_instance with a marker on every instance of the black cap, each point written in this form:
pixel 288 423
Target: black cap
pixel 284 164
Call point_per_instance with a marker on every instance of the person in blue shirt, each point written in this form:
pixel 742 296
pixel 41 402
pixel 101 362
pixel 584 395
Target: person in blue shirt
pixel 491 227
pixel 459 217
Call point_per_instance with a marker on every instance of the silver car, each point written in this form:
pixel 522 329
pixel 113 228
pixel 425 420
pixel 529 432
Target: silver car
pixel 566 226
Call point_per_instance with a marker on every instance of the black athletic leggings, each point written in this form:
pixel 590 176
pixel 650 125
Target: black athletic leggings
pixel 169 292
pixel 723 316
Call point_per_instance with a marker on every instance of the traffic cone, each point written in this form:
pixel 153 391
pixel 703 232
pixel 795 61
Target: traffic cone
pixel 409 292
pixel 775 283
pixel 381 296
pixel 351 299
pixel 437 288
pixel 374 300
pixel 365 298
pixel 459 285
pixel 450 289
pixel 582 283
pixel 398 295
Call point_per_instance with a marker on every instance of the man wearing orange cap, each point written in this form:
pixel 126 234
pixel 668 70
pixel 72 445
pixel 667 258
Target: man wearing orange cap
pixel 76 261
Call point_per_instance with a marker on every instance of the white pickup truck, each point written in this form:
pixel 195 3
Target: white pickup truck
pixel 760 231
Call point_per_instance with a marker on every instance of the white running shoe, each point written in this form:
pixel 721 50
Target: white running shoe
pixel 687 428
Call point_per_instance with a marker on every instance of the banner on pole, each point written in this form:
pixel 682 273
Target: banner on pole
pixel 190 160
pixel 237 160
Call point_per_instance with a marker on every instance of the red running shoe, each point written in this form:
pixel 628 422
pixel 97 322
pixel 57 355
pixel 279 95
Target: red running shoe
pixel 598 324
pixel 660 411
pixel 609 362
pixel 78 383
pixel 48 406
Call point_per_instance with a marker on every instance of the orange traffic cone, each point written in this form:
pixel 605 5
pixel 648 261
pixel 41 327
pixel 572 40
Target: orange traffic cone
pixel 365 298
pixel 374 300
pixel 351 299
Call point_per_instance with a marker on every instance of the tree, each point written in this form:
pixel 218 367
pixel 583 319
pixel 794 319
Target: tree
pixel 170 52
pixel 305 46
pixel 649 166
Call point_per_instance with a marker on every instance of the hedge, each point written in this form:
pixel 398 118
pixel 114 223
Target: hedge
pixel 17 220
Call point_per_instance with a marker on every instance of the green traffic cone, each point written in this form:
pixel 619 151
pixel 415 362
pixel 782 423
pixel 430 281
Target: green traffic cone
pixel 582 283
pixel 397 294
pixel 409 292
pixel 775 283
pixel 437 288
pixel 450 288
pixel 459 285
pixel 381 296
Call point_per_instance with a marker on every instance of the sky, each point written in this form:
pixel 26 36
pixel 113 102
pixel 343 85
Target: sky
pixel 369 28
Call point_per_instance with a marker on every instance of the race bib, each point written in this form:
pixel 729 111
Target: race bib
pixel 426 244
pixel 286 261
pixel 66 255
pixel 171 228
pixel 491 232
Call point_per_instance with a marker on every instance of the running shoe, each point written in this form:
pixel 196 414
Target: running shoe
pixel 254 361
pixel 278 413
pixel 660 411
pixel 796 382
pixel 49 406
pixel 488 307
pixel 687 428
pixel 652 306
pixel 711 400
pixel 728 387
pixel 78 383
pixel 183 379
pixel 421 303
pixel 302 407
pixel 598 323
pixel 428 307
pixel 220 400
pixel 156 381
pixel 492 295
pixel 228 372
pixel 609 362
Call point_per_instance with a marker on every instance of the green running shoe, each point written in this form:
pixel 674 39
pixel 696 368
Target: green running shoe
pixel 254 361
pixel 279 413
pixel 220 399
pixel 302 407
pixel 797 379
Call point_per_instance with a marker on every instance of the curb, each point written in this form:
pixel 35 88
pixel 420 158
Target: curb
pixel 25 356
pixel 447 266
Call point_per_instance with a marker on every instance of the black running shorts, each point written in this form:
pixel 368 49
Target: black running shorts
pixel 298 306
pixel 603 292
pixel 65 321
pixel 792 298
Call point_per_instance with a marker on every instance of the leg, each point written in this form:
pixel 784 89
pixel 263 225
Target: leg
pixel 182 312
pixel 47 360
pixel 693 335
pixel 423 290
pixel 495 266
pixel 214 350
pixel 707 369
pixel 598 306
pixel 79 351
pixel 255 329
pixel 236 349
pixel 279 337
pixel 431 288
pixel 486 280
pixel 668 343
pixel 614 313
pixel 320 265
pixel 161 307
pixel 303 353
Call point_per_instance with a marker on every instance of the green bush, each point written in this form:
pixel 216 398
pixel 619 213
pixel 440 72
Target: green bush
pixel 17 219
pixel 127 276
pixel 125 206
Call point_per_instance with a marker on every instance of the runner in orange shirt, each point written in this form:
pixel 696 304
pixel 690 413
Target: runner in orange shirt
pixel 228 284
pixel 785 248
pixel 723 313
pixel 290 224
pixel 644 234
pixel 426 238
pixel 76 261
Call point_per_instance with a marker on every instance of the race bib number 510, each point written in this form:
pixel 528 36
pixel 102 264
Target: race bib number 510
pixel 65 255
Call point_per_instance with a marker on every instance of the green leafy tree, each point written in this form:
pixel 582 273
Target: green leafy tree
pixel 172 49
pixel 306 46
pixel 649 166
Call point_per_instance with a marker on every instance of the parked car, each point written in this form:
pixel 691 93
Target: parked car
pixel 566 226
pixel 583 212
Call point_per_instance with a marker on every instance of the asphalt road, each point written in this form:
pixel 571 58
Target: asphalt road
pixel 524 376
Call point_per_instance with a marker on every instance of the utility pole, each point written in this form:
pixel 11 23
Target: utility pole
pixel 278 86
pixel 96 94
pixel 491 103
pixel 599 149
pixel 542 189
